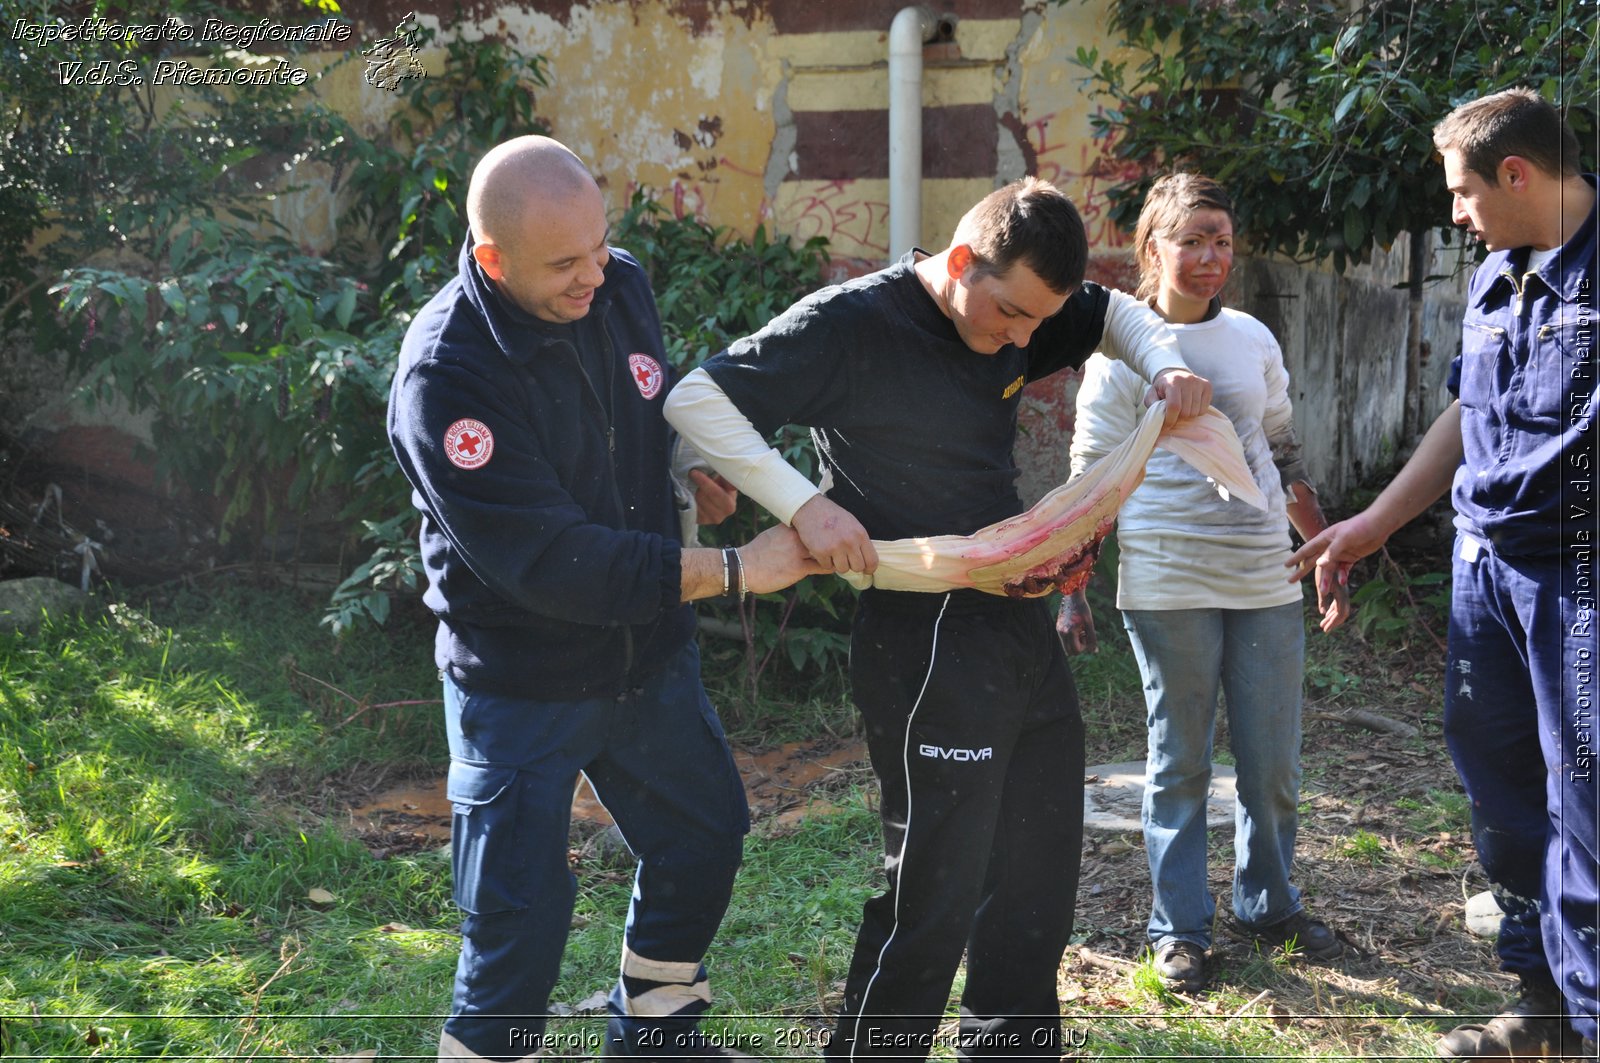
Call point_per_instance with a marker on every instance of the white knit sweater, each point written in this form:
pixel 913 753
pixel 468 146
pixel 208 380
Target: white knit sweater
pixel 1181 546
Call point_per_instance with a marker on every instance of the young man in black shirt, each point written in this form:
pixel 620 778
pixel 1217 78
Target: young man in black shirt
pixel 910 379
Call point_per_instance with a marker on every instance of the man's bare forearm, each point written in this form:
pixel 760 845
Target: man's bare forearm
pixel 1425 478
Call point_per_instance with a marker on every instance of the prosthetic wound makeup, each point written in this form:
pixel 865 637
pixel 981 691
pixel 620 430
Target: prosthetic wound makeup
pixel 1054 544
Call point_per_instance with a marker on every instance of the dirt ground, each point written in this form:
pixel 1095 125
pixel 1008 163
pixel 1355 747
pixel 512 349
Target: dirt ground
pixel 1372 858
pixel 1384 856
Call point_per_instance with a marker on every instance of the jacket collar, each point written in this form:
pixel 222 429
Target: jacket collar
pixel 1562 273
pixel 517 333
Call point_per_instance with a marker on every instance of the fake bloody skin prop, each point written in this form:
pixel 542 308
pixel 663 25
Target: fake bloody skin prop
pixel 1055 543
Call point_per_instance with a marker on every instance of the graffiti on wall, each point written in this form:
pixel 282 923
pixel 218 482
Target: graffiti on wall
pixel 837 211
pixel 1087 168
pixel 694 195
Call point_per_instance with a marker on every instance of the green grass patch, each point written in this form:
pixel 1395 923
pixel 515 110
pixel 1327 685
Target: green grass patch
pixel 174 784
pixel 169 796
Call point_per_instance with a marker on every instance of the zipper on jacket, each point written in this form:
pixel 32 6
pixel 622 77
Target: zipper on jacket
pixel 1518 287
pixel 607 414
pixel 610 353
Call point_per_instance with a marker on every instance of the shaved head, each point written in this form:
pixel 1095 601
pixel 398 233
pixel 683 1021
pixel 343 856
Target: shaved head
pixel 539 227
pixel 518 176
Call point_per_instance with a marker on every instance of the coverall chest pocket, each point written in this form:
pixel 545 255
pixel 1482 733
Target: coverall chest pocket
pixel 1485 368
pixel 1561 370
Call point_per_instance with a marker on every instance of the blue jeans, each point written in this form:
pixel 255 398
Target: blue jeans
pixel 1256 658
pixel 1519 722
pixel 659 762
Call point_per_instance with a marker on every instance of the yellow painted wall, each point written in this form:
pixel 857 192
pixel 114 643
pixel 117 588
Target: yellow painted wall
pixel 695 111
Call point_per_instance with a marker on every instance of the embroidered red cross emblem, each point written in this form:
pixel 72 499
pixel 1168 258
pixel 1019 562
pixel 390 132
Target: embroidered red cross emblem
pixel 468 444
pixel 646 374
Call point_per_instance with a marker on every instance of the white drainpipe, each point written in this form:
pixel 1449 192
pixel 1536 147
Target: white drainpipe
pixel 910 30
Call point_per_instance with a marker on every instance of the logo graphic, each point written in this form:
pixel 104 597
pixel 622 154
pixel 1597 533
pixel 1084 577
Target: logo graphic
pixel 941 753
pixel 393 59
pixel 646 373
pixel 468 444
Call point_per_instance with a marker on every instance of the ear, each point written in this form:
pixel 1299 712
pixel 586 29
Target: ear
pixel 958 260
pixel 1514 171
pixel 488 256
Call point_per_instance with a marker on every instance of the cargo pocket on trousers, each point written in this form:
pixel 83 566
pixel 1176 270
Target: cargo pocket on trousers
pixel 488 859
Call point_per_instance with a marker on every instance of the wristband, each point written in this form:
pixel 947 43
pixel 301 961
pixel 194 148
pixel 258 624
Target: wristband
pixel 732 575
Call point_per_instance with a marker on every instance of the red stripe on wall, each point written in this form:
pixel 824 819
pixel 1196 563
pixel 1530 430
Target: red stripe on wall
pixel 832 16
pixel 958 141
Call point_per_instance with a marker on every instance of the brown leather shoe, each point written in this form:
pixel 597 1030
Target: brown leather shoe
pixel 1301 934
pixel 1532 1028
pixel 1181 965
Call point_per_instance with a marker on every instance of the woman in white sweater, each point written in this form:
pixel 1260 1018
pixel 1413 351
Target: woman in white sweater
pixel 1201 589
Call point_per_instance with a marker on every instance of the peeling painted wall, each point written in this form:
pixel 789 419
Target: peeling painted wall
pixel 775 112
pixel 748 112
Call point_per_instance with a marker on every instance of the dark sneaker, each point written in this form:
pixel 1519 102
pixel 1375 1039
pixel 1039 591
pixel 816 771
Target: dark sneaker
pixel 679 1042
pixel 1300 935
pixel 1181 965
pixel 1532 1028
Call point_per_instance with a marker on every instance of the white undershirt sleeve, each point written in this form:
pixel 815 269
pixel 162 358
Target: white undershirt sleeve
pixel 1134 334
pixel 705 416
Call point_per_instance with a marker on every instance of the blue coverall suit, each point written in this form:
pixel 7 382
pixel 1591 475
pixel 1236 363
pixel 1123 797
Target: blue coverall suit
pixel 1520 691
pixel 538 456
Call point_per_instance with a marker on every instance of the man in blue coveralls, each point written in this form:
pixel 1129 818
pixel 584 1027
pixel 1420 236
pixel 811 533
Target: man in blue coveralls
pixel 1518 450
pixel 526 413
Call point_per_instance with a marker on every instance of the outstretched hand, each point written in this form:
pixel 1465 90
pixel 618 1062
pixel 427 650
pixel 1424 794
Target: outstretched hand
pixel 1331 553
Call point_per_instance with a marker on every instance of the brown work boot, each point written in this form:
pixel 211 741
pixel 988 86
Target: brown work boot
pixel 1300 934
pixel 1532 1028
pixel 1181 965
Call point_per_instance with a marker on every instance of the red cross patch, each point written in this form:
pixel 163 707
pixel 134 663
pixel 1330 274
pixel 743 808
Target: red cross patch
pixel 468 444
pixel 646 373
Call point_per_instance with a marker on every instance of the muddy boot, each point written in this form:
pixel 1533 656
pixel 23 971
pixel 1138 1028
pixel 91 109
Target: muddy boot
pixel 1300 934
pixel 1532 1028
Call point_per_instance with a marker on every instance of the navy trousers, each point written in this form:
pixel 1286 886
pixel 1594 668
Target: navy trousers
pixel 659 762
pixel 1519 721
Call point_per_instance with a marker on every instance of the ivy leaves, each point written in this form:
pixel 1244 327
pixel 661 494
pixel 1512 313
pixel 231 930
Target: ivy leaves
pixel 1318 116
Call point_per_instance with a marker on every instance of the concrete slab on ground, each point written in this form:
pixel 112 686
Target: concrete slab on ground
pixel 1112 794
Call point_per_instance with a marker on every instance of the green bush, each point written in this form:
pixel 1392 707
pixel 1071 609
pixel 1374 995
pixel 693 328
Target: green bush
pixel 264 367
pixel 713 288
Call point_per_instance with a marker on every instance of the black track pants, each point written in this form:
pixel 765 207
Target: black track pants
pixel 973 728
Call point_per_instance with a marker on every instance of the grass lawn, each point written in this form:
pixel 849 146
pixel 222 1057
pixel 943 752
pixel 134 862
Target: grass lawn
pixel 180 879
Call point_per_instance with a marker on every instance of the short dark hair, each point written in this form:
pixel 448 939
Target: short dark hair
pixel 1032 222
pixel 1514 122
pixel 1167 206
